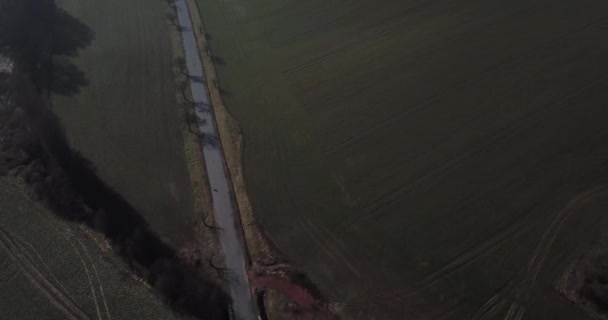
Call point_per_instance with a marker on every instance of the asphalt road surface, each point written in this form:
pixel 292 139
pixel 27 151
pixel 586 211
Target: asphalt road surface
pixel 223 208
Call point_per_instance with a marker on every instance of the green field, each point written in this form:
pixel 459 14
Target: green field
pixel 126 121
pixel 423 159
pixel 54 263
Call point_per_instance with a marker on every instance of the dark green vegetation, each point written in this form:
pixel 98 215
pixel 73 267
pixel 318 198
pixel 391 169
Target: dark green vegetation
pixel 126 121
pixel 423 159
pixel 39 37
pixel 54 268
pixel 34 149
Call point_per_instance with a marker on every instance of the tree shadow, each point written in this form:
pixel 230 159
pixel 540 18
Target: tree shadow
pixel 197 79
pixel 218 61
pixel 69 34
pixel 71 188
pixel 211 140
pixel 68 79
pixel 39 38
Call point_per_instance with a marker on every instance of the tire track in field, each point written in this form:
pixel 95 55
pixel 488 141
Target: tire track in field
pixel 20 240
pixel 318 28
pixel 548 238
pixel 99 283
pixel 420 53
pixel 394 119
pixel 487 246
pixel 513 229
pixel 526 121
pixel 328 248
pixel 490 306
pixel 429 176
pixel 68 234
pixel 89 278
pixel 112 260
pixel 519 287
pixel 496 301
pixel 38 280
pixel 69 238
pixel 397 63
pixel 8 270
pixel 536 262
pixel 387 27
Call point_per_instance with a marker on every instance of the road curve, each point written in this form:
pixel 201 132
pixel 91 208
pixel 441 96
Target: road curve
pixel 223 208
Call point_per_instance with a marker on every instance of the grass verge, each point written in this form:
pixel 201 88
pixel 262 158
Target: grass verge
pixel 208 247
pixel 232 142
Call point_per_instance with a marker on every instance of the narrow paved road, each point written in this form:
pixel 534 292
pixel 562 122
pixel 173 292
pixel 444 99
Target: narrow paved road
pixel 223 209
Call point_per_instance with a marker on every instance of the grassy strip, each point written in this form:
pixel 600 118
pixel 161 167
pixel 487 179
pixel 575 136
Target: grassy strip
pixel 232 143
pixel 206 239
pixel 231 137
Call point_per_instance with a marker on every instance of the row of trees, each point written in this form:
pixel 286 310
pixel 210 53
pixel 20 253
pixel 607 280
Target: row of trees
pixel 41 38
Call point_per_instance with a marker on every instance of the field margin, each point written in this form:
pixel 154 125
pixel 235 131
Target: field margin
pixel 206 239
pixel 232 143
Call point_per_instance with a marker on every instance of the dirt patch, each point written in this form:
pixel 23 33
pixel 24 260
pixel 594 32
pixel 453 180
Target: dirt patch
pixel 295 293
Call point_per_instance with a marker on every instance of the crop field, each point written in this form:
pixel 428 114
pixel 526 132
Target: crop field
pixel 423 159
pixel 51 269
pixel 126 121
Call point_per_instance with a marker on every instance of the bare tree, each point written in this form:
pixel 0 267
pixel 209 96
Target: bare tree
pixel 182 87
pixel 191 119
pixel 172 17
pixel 221 271
pixel 171 4
pixel 212 227
pixel 180 64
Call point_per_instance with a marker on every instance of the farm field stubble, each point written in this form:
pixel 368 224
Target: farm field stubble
pixel 126 121
pixel 422 158
pixel 48 262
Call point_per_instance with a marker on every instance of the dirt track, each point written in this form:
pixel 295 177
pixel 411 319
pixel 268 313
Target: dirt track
pixel 38 280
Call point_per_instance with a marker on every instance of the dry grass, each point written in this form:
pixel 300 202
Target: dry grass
pixel 257 246
pixel 232 143
pixel 206 238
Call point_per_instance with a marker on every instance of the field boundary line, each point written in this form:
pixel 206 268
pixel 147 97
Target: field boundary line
pixel 232 142
pixel 99 284
pixel 38 280
pixel 206 242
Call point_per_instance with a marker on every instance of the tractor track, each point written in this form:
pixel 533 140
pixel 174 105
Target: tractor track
pixel 38 280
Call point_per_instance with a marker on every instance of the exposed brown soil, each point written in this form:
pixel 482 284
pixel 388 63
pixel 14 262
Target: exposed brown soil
pixel 271 268
pixel 295 293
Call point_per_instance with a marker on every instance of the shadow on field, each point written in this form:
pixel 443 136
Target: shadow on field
pixel 33 146
pixel 39 37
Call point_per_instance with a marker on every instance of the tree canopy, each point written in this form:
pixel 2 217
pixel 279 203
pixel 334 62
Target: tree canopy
pixel 35 34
